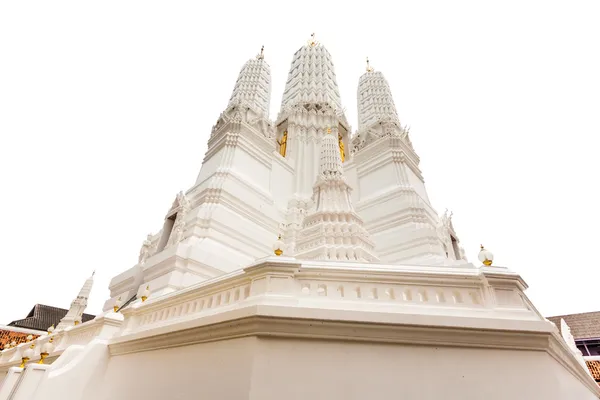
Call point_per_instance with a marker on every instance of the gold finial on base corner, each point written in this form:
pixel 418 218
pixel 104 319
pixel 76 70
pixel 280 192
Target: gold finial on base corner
pixel 117 304
pixel 145 293
pixel 485 256
pixel 328 130
pixel 278 246
pixel 369 68
pixel 47 348
pixel 27 354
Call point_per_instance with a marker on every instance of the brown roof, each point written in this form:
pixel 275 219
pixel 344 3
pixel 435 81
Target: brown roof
pixel 41 317
pixel 583 326
pixel 7 336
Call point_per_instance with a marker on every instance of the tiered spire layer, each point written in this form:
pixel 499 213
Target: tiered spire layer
pixel 312 78
pixel 333 231
pixel 253 86
pixel 375 102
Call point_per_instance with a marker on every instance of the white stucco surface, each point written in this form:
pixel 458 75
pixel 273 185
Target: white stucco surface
pixel 372 297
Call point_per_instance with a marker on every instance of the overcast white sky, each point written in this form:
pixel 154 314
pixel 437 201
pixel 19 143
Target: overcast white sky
pixel 106 108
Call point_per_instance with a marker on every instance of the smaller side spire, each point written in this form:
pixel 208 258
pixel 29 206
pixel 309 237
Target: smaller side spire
pixel 331 163
pixel 253 86
pixel 78 305
pixel 333 231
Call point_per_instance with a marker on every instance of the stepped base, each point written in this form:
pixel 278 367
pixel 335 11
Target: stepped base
pixel 285 328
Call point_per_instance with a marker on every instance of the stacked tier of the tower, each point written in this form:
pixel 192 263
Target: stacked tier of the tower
pixel 390 193
pixel 333 230
pixel 258 180
pixel 229 217
pixel 310 107
pixel 78 305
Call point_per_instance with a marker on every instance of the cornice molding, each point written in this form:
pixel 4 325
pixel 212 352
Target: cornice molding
pixel 263 322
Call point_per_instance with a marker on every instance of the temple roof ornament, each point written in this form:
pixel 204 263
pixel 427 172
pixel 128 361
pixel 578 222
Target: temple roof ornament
pixel 146 250
pixel 47 348
pixel 27 355
pixel 333 230
pixel 78 305
pixel 145 293
pixel 369 68
pixel 312 41
pixel 311 80
pixel 117 304
pixel 486 256
pixel 278 246
pixel 253 86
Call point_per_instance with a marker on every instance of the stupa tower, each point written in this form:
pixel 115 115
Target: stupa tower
pixel 78 305
pixel 333 231
pixel 310 106
pixel 257 180
pixel 228 218
pixel 390 192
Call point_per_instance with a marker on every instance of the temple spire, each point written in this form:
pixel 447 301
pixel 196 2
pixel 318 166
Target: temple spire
pixel 375 101
pixel 369 68
pixel 311 78
pixel 78 305
pixel 333 231
pixel 253 86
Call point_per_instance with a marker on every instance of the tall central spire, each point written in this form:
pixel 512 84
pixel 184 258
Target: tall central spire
pixel 312 78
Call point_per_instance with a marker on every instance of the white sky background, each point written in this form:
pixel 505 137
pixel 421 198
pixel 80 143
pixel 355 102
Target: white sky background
pixel 106 109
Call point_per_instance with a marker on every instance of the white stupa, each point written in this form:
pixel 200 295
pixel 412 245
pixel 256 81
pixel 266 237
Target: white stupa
pixel 369 295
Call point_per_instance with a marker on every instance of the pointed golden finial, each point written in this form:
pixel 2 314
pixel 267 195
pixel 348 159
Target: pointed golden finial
pixel 328 130
pixel 261 56
pixel 369 68
pixel 312 42
pixel 278 246
pixel 117 304
pixel 485 256
pixel 146 293
pixel 27 355
pixel 47 348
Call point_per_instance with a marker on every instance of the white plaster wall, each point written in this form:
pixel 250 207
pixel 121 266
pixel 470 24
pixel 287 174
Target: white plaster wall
pixel 377 181
pixel 292 369
pixel 417 183
pixel 210 166
pixel 243 234
pixel 251 170
pixel 215 254
pixel 352 178
pixel 300 370
pixel 217 370
pixel 281 185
